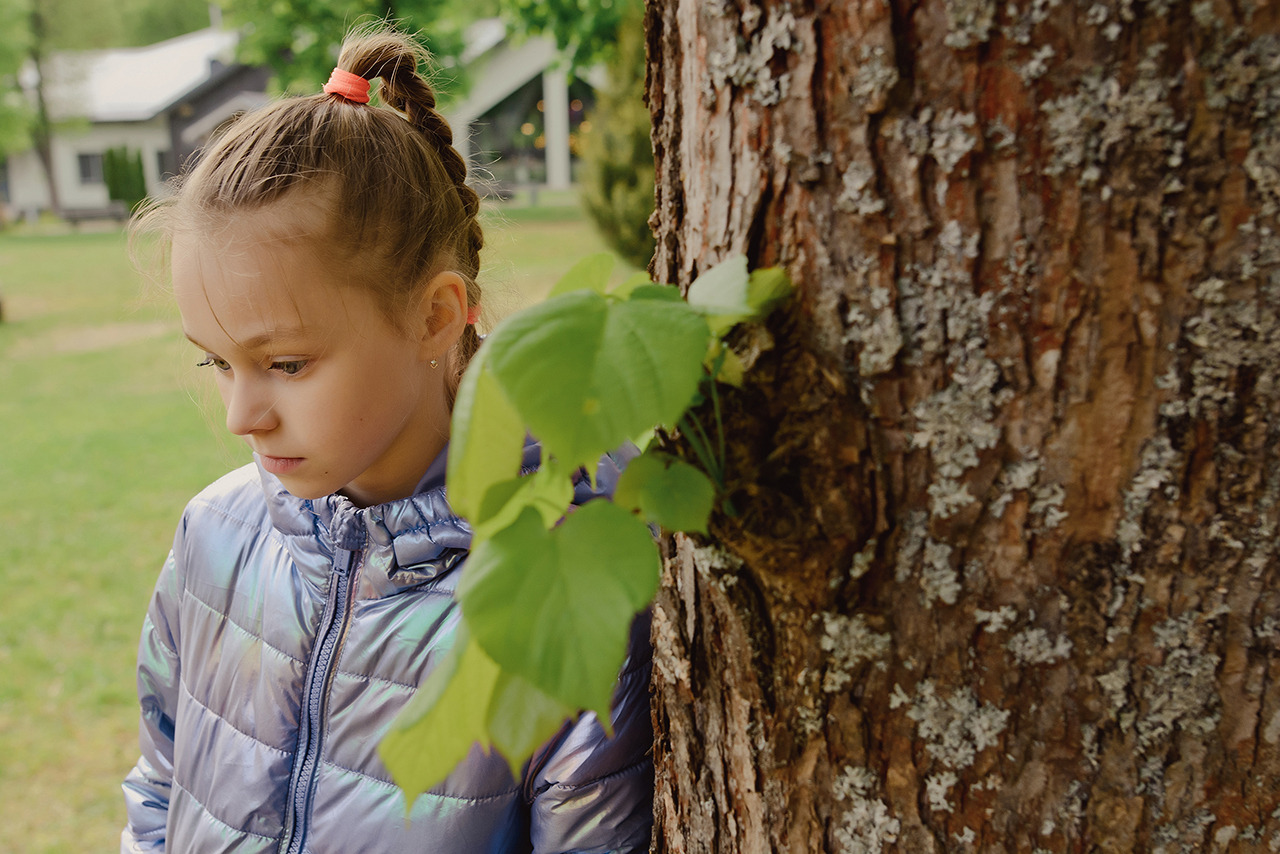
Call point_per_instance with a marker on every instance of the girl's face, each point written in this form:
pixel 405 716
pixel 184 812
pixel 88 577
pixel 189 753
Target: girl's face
pixel 328 393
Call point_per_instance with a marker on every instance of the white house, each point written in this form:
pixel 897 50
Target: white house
pixel 101 99
pixel 498 66
pixel 166 99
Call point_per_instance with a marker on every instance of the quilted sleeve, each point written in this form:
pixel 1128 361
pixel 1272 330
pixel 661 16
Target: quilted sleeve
pixel 594 794
pixel 146 788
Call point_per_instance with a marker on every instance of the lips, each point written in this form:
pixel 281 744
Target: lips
pixel 280 465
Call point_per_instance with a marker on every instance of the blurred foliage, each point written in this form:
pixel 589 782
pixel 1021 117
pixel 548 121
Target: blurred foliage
pixel 157 20
pixel 617 154
pixel 125 180
pixel 586 30
pixel 92 24
pixel 299 39
pixel 34 28
pixel 15 111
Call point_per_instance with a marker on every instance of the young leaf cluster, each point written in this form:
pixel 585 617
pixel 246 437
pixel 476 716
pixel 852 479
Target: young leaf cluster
pixel 549 592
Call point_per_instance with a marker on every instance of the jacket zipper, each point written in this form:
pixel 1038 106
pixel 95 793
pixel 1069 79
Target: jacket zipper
pixel 333 624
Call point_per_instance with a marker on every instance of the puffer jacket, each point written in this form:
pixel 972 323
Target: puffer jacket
pixel 283 638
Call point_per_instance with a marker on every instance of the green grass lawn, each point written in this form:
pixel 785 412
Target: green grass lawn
pixel 107 430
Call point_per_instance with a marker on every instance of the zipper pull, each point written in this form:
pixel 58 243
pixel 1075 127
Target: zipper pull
pixel 344 561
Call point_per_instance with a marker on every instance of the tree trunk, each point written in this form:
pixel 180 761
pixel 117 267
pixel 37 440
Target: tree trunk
pixel 1003 573
pixel 42 125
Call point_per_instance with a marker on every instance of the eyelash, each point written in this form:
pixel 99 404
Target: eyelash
pixel 220 364
pixel 296 364
pixel 283 367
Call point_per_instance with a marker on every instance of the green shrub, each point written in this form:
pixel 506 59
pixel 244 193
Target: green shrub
pixel 617 154
pixel 122 171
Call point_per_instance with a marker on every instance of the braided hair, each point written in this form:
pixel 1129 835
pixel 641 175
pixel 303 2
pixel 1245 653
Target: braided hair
pixel 396 60
pixel 395 191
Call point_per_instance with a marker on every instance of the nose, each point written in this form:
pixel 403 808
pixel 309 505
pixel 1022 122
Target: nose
pixel 249 407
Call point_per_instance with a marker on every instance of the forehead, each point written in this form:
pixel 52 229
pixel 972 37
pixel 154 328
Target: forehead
pixel 251 277
pixel 230 277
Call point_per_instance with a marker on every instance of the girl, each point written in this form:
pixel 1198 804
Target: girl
pixel 324 255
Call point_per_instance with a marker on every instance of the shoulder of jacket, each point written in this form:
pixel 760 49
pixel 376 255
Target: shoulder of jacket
pixel 237 495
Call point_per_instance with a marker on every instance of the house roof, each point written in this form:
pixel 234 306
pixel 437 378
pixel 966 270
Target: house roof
pixel 139 83
pixel 134 84
pixel 482 36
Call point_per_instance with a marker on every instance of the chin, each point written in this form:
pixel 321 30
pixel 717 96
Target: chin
pixel 307 493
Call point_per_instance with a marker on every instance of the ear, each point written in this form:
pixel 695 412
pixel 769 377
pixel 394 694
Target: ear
pixel 443 314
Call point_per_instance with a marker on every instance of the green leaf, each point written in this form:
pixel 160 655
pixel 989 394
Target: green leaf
pixel 724 364
pixel 501 504
pixel 644 439
pixel 548 490
pixel 487 442
pixel 522 719
pixel 635 280
pixel 667 491
pixel 767 287
pixel 727 295
pixel 555 607
pixel 652 291
pixel 444 720
pixel 590 274
pixel 588 373
pixel 721 293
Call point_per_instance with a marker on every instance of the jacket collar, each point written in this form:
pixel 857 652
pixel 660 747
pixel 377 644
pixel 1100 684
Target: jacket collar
pixel 404 543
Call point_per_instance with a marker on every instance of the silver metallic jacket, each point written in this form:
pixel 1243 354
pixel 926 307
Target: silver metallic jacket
pixel 283 638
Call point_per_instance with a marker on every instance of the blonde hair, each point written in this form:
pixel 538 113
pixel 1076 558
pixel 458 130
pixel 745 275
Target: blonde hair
pixel 396 190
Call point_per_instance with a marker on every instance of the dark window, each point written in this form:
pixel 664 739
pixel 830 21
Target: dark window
pixel 90 168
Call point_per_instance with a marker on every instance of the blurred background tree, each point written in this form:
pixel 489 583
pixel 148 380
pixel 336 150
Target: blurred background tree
pixel 617 153
pixel 298 39
pixel 90 25
pixel 15 111
pixel 616 150
pixel 125 180
pixel 32 29
pixel 585 29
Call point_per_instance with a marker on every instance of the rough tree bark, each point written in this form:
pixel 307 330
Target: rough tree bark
pixel 1003 575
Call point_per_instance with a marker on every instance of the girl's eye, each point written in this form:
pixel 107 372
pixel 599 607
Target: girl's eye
pixel 290 367
pixel 221 364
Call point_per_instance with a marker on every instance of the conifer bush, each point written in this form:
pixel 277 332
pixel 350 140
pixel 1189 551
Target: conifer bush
pixel 617 154
pixel 125 179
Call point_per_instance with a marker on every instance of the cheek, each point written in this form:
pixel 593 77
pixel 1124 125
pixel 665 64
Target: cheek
pixel 381 403
pixel 222 383
pixel 394 384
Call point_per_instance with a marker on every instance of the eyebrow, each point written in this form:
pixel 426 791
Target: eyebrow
pixel 255 342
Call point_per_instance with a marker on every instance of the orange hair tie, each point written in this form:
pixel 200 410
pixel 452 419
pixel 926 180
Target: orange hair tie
pixel 473 315
pixel 346 85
